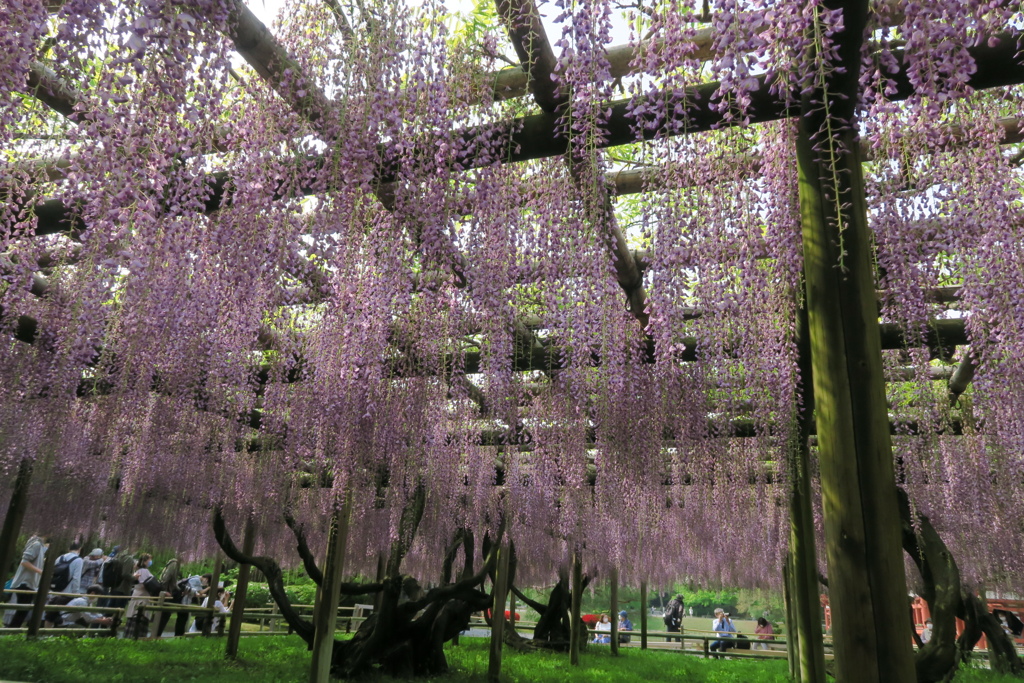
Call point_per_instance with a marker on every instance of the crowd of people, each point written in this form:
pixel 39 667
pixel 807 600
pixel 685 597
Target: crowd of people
pixel 727 637
pixel 723 628
pixel 100 579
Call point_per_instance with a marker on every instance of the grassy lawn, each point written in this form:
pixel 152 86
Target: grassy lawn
pixel 282 659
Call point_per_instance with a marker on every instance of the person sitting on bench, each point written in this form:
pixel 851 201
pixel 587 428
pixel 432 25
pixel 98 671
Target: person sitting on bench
pixel 76 618
pixel 723 628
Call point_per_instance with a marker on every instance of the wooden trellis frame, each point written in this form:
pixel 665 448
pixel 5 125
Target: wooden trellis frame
pixel 534 137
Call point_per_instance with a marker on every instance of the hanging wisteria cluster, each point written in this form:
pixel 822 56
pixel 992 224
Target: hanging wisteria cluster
pixel 366 268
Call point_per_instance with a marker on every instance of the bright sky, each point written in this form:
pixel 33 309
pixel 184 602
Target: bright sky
pixel 267 10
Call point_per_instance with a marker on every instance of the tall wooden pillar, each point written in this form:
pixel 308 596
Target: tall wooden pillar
pixel 325 613
pixel 498 614
pixel 803 560
pixel 16 508
pixel 575 618
pixel 644 609
pixel 614 579
pixel 238 608
pixel 862 526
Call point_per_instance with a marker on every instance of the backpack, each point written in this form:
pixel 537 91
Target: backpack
pixel 169 576
pixel 62 572
pixel 673 615
pixel 116 573
pixel 110 574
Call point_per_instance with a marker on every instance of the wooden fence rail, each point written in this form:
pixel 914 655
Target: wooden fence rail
pixel 692 642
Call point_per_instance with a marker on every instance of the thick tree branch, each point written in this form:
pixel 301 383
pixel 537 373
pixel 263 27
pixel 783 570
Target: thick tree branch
pixel 308 560
pixel 271 570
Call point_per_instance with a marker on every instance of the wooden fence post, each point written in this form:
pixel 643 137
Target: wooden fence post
pixel 498 614
pixel 792 648
pixel 643 615
pixel 238 606
pixel 615 610
pixel 325 612
pixel 576 622
pixel 154 629
pixel 211 596
pixel 39 603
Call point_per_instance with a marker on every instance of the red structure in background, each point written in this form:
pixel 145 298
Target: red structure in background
pixel 508 614
pixel 921 613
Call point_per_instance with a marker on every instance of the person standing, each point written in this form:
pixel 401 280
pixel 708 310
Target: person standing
pixel 723 628
pixel 926 633
pixel 674 617
pixel 27 577
pixel 169 583
pixel 135 617
pixel 91 566
pixel 67 572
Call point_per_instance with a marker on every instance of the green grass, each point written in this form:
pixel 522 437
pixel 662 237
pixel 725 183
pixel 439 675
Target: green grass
pixel 282 659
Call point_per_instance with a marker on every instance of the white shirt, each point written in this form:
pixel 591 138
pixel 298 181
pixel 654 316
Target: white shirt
pixel 88 617
pixel 219 606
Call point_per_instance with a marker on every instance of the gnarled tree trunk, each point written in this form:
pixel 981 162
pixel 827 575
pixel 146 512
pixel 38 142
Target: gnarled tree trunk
pixel 400 639
pixel 948 600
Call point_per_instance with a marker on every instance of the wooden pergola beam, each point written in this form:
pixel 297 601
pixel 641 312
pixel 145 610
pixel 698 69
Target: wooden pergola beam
pixel 258 46
pixel 522 20
pixel 526 32
pixel 535 137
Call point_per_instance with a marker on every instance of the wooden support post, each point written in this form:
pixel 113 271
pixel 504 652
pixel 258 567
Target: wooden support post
pixel 575 621
pixel 211 596
pixel 643 615
pixel 154 626
pixel 614 580
pixel 325 612
pixel 498 614
pixel 15 516
pixel 803 559
pixel 792 633
pixel 381 569
pixel 868 588
pixel 35 620
pixel 707 651
pixel 238 606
